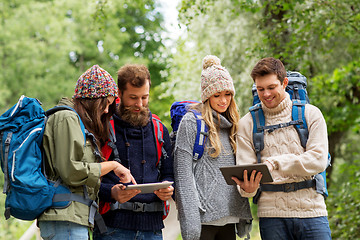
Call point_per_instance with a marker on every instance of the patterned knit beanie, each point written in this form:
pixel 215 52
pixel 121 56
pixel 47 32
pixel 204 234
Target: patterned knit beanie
pixel 95 83
pixel 214 78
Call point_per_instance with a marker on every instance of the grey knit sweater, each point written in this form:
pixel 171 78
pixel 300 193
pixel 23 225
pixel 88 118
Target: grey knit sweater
pixel 202 195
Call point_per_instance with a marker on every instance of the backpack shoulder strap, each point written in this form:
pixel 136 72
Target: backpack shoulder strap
pixel 110 146
pixel 258 129
pixel 85 132
pixel 201 136
pixel 159 138
pixel 298 114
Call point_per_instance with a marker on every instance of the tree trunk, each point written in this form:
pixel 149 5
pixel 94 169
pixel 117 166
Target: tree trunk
pixel 273 16
pixel 334 142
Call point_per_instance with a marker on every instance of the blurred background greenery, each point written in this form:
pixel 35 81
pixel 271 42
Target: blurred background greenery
pixel 46 45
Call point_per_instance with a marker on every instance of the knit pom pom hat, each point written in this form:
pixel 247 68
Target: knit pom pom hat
pixel 95 83
pixel 214 78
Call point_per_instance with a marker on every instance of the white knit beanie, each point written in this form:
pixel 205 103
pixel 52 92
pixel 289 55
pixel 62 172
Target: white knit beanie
pixel 214 78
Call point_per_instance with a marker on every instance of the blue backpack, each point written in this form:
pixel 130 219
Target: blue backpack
pixel 177 111
pixel 298 94
pixel 28 191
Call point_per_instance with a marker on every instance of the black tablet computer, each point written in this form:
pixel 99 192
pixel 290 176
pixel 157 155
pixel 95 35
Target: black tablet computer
pixel 238 171
pixel 149 187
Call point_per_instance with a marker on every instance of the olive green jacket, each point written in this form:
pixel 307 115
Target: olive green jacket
pixel 68 159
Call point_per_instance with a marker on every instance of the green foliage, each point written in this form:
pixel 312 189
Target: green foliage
pixel 338 95
pixel 303 34
pixel 160 105
pixel 344 200
pixel 309 33
pixel 46 45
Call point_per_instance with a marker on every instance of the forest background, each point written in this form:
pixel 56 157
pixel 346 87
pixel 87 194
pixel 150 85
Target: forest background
pixel 46 45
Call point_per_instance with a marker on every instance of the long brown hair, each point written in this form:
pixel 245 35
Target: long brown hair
pixel 91 112
pixel 230 114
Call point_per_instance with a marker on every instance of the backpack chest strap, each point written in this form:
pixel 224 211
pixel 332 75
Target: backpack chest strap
pixel 138 206
pixel 272 128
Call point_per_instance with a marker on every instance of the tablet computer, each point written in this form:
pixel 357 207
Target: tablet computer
pixel 238 171
pixel 149 187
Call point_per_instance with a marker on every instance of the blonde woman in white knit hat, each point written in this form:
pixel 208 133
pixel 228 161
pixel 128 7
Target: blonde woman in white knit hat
pixel 209 208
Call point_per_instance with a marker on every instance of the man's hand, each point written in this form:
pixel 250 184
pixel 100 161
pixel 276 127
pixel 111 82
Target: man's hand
pixel 121 195
pixel 249 185
pixel 165 193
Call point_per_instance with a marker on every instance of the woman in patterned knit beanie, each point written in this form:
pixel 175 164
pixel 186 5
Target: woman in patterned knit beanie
pixel 76 162
pixel 208 207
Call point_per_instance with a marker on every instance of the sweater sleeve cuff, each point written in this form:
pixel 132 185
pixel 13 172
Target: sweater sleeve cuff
pixel 105 192
pixel 246 194
pixel 274 165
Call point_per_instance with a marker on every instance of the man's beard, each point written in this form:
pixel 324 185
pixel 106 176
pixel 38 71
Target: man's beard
pixel 136 119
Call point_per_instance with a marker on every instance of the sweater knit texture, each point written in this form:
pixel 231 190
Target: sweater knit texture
pixel 202 195
pixel 137 151
pixel 291 162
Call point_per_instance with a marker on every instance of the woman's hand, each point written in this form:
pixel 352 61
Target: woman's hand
pixel 249 185
pixel 124 174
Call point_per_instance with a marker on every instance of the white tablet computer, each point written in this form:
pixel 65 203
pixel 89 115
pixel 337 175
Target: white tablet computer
pixel 149 187
pixel 238 171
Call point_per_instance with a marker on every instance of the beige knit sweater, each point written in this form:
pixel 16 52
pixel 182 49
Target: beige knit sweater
pixel 291 162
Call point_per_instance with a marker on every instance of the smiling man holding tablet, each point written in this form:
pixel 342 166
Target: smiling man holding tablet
pixel 290 207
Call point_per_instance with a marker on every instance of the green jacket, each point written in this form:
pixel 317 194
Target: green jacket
pixel 68 159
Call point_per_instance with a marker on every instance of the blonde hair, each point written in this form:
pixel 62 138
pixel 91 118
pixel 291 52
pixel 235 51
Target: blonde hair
pixel 230 114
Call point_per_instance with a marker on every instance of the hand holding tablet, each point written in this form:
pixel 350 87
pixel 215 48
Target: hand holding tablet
pixel 149 187
pixel 238 171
